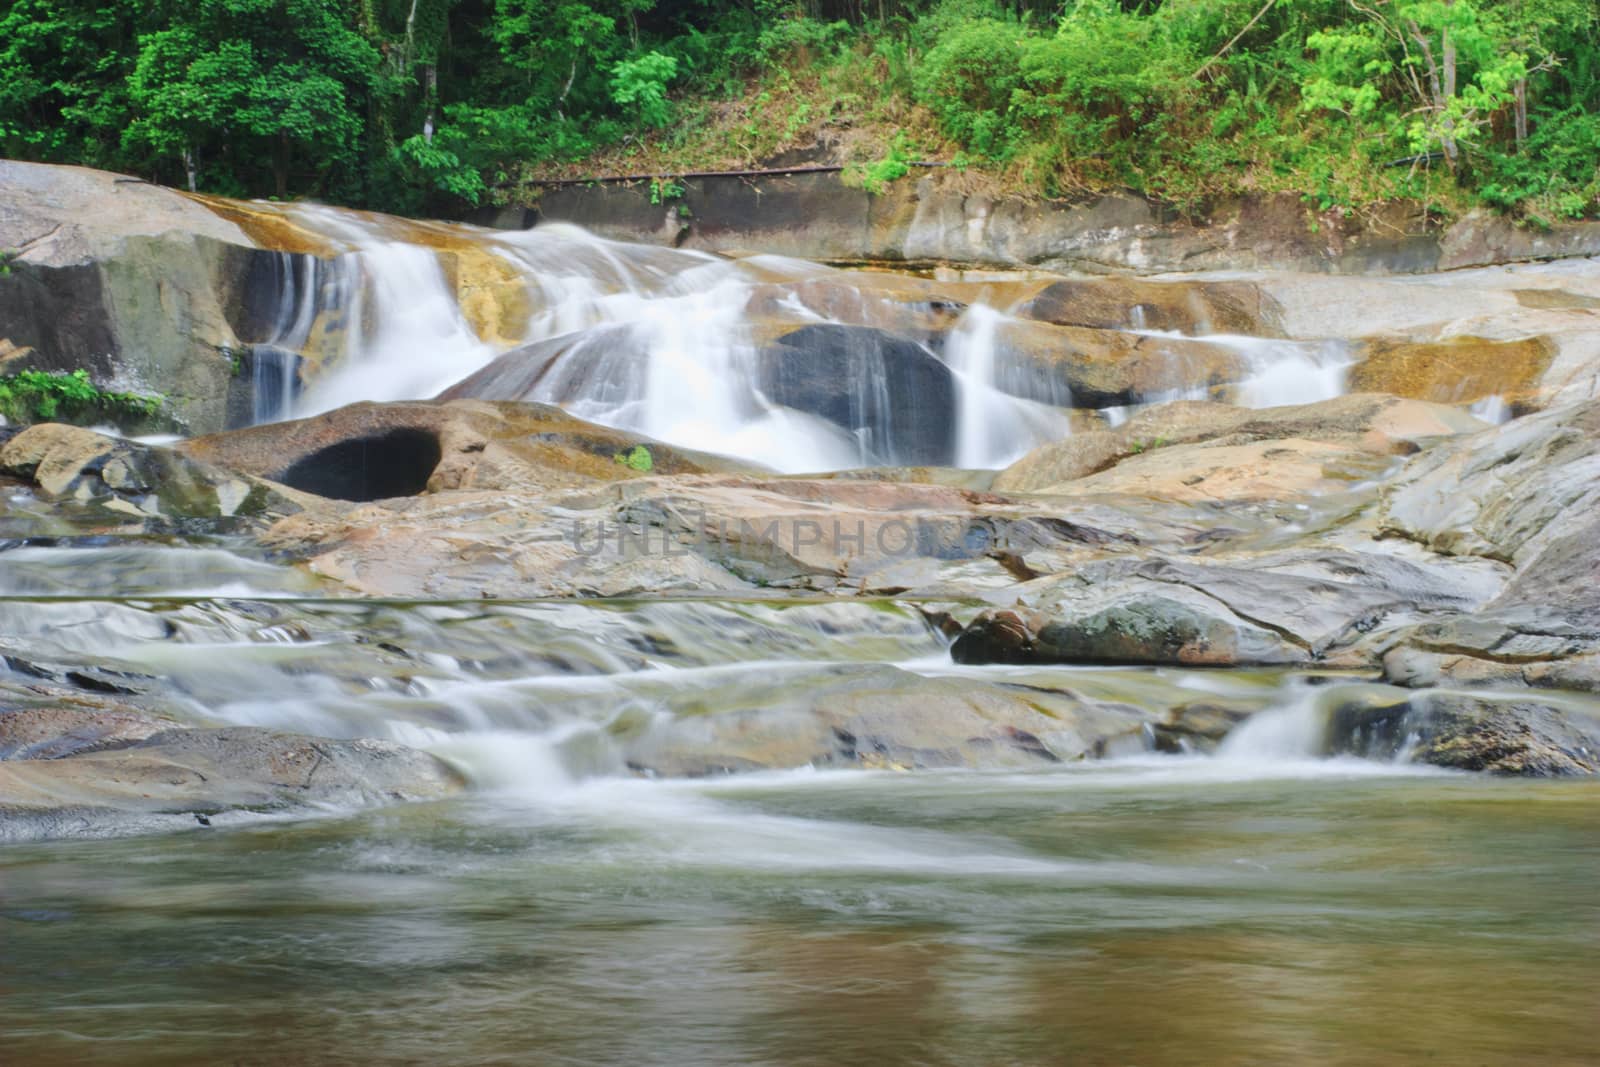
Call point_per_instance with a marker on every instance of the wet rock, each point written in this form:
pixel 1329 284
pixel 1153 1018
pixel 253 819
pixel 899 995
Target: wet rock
pixel 133 480
pixel 1459 370
pixel 891 392
pixel 170 779
pixel 1303 606
pixel 1462 731
pixel 882 719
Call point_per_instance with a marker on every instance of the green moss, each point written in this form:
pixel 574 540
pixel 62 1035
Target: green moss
pixel 44 396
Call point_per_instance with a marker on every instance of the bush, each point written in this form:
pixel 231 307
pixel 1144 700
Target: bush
pixel 967 81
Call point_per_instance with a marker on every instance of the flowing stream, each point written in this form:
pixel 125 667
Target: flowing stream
pixel 1260 905
pixel 1263 903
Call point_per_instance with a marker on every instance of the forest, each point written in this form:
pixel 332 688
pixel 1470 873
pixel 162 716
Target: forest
pixel 432 106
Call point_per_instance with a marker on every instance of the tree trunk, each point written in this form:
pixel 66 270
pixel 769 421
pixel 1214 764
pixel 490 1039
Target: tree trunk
pixel 190 168
pixel 1520 95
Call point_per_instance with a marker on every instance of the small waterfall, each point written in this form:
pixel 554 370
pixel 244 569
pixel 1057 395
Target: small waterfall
pixel 406 334
pixel 793 365
pixel 1492 409
pixel 993 427
pixel 275 362
pixel 1296 731
pixel 1289 372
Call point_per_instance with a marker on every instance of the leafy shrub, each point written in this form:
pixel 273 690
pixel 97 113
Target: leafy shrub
pixel 42 395
pixel 967 81
pixel 640 84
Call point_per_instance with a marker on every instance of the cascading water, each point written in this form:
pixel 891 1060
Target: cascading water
pixel 792 365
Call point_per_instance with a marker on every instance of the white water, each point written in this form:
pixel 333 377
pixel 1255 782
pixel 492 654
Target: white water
pixel 679 346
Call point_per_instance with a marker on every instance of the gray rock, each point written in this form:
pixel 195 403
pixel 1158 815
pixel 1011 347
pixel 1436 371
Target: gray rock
pixel 1301 606
pixel 182 777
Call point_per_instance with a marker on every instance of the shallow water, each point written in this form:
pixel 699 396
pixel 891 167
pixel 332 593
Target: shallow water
pixel 1161 911
pixel 1254 907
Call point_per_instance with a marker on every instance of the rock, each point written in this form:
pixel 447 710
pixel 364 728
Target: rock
pixel 1300 606
pixel 1096 368
pixel 367 452
pixel 1460 370
pixel 1504 493
pixel 880 718
pixel 891 392
pixel 1496 734
pixel 134 480
pixel 1199 451
pixel 56 732
pixel 1188 307
pixel 1543 630
pixel 169 780
pixel 936 220
pixel 125 280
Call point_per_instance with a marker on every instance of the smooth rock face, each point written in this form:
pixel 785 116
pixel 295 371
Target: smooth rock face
pixel 893 391
pixel 100 776
pixel 1237 453
pixel 1458 371
pixel 182 777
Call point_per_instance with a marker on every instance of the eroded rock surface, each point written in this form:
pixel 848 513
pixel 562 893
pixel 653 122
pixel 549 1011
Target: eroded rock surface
pixel 99 777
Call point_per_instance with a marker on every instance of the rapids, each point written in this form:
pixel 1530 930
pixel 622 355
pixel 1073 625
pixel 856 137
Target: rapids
pixel 1263 904
pixel 677 344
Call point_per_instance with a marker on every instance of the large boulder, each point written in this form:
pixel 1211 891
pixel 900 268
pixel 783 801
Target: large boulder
pixel 368 451
pixel 130 282
pixel 1313 605
pixel 893 393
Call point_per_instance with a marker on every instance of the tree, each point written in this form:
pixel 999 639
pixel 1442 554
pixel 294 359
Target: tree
pixel 1424 46
pixel 259 80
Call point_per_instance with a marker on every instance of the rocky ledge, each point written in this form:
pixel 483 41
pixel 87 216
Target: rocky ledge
pixel 1389 539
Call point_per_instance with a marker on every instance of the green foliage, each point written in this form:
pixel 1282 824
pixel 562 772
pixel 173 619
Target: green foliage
pixel 638 459
pixel 44 396
pixel 663 190
pixel 429 105
pixel 875 177
pixel 639 85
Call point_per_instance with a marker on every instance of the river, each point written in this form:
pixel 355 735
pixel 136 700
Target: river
pixel 1256 905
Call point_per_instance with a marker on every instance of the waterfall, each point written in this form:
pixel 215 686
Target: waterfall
pixel 995 428
pixel 793 365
